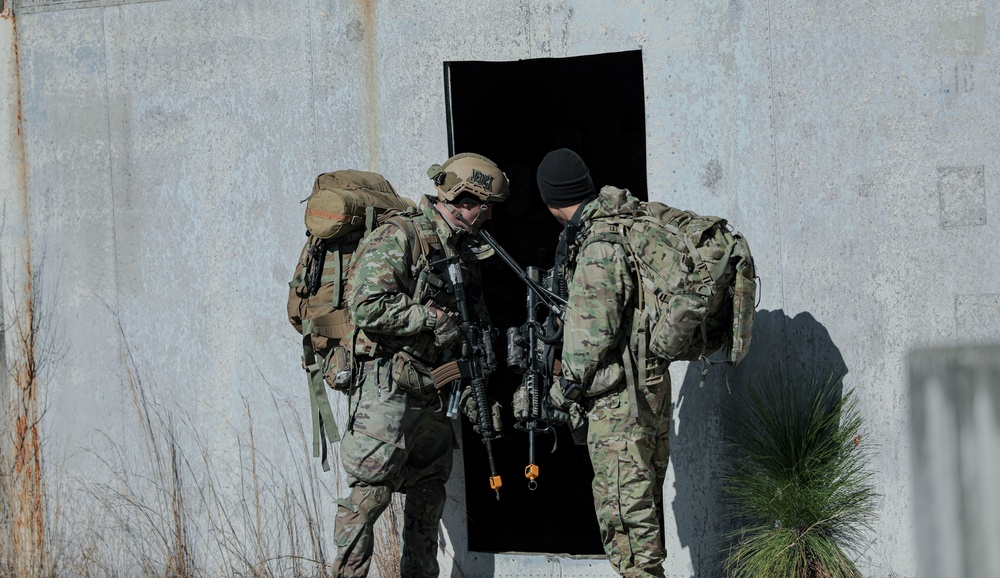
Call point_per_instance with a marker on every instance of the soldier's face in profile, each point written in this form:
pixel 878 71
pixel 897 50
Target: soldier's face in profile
pixel 474 212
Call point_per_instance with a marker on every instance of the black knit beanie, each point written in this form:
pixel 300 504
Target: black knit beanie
pixel 564 179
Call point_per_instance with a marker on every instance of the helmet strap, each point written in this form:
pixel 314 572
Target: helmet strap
pixel 482 210
pixel 472 227
pixel 458 216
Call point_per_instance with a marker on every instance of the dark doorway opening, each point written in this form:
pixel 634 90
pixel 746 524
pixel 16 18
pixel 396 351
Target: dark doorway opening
pixel 514 113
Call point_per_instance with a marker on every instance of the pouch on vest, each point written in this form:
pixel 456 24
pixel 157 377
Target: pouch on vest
pixel 412 376
pixel 339 372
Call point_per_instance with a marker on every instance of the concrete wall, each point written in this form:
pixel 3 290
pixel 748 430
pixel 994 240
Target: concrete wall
pixel 167 145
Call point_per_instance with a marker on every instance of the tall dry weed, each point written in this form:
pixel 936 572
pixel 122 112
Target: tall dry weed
pixel 172 508
pixel 388 539
pixel 29 347
pixel 168 507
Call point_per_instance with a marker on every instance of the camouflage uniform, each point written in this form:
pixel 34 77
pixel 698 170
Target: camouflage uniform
pixel 399 438
pixel 628 427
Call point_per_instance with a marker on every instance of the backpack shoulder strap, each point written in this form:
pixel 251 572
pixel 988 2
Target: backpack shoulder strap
pixel 602 229
pixel 422 239
pixel 615 229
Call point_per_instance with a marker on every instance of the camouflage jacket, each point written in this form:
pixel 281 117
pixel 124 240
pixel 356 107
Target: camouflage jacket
pixel 390 295
pixel 599 313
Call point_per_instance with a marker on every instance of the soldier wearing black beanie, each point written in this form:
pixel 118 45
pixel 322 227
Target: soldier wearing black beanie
pixel 564 179
pixel 620 421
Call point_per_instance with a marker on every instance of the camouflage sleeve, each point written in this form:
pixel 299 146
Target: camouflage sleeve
pixel 379 287
pixel 598 294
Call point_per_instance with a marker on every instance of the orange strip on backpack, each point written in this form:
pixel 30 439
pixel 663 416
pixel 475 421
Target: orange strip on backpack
pixel 331 216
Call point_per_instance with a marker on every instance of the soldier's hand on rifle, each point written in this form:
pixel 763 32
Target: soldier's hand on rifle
pixel 467 403
pixel 557 398
pixel 446 329
pixel 569 412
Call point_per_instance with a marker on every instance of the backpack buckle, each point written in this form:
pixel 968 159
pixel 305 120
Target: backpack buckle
pixel 707 288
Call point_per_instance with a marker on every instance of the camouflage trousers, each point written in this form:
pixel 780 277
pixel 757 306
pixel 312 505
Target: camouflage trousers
pixel 629 455
pixel 375 469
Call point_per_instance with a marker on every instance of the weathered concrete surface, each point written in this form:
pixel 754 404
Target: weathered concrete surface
pixel 167 145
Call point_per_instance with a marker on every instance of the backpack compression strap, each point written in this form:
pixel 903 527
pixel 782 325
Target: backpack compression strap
pixel 324 426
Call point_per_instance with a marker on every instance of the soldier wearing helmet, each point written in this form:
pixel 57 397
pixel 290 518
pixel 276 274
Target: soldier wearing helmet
pixel 399 438
pixel 468 186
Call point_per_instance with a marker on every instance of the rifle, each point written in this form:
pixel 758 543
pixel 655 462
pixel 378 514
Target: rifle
pixel 314 277
pixel 478 359
pixel 531 351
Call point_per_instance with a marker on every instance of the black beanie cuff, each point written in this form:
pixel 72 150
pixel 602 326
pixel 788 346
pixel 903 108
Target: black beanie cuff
pixel 569 197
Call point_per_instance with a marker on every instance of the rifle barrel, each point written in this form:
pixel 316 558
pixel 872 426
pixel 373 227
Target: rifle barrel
pixel 550 298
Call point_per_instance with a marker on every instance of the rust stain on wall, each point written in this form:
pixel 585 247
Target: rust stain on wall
pixel 370 58
pixel 20 167
pixel 29 528
pixel 22 465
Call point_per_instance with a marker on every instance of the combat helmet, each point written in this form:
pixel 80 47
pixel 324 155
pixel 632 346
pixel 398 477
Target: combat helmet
pixel 469 173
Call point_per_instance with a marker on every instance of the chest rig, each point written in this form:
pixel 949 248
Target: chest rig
pixel 428 285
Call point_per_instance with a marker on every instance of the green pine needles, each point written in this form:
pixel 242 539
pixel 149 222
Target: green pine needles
pixel 800 486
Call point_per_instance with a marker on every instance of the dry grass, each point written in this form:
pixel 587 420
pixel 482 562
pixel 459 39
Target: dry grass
pixel 172 506
pixel 28 347
pixel 388 542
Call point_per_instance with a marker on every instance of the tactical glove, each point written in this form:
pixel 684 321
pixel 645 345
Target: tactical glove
pixel 446 329
pixel 557 398
pixel 554 414
pixel 467 403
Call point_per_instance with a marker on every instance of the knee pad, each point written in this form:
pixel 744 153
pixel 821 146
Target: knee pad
pixel 370 501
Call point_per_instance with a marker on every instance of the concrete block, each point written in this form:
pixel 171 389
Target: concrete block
pixel 962 191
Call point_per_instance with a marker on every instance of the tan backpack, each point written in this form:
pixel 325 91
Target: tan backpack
pixel 344 207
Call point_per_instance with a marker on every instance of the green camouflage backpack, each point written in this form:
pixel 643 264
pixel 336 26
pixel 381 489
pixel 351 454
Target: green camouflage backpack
pixel 698 283
pixel 344 207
